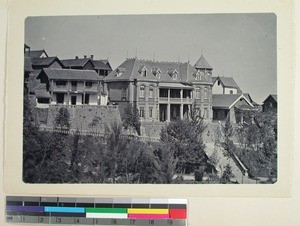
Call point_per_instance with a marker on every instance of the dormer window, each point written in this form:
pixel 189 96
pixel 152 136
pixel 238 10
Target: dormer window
pixel 120 71
pixel 143 71
pixel 173 73
pixel 156 72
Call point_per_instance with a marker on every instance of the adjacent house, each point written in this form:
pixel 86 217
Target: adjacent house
pixel 270 103
pixel 225 85
pixel 46 62
pixel 230 107
pixel 78 63
pixel 162 91
pixel 74 87
pixel 102 67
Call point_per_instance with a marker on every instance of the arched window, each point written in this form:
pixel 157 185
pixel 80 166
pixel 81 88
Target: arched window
pixel 142 91
pixel 151 91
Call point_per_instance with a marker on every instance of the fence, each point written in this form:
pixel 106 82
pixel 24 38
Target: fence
pixel 98 134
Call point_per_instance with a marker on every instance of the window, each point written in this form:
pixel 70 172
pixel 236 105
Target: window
pixel 87 99
pixel 144 73
pixel 142 91
pixel 197 94
pixel 60 98
pixel 61 83
pixel 151 92
pixel 89 84
pixel 175 75
pixel 124 93
pixel 120 71
pixel 150 112
pixel 205 93
pixel 218 83
pixel 198 75
pixel 231 91
pixel 142 112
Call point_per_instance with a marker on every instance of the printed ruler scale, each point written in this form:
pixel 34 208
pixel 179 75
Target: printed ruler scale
pixel 96 211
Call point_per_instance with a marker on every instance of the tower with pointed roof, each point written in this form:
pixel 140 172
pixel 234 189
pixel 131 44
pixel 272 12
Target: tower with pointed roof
pixel 202 84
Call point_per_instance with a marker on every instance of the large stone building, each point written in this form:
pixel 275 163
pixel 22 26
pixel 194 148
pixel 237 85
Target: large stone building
pixel 162 91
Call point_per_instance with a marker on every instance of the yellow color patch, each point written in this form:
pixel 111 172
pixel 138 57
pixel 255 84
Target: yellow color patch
pixel 147 211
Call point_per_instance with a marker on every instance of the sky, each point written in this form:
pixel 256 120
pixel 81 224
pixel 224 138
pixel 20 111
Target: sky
pixel 242 46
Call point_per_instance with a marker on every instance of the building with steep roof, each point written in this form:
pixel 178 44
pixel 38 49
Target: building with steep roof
pixel 162 91
pixel 102 67
pixel 225 85
pixel 74 87
pixel 230 107
pixel 270 103
pixel 46 62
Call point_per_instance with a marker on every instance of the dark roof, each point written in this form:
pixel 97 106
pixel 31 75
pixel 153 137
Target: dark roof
pixel 44 61
pixel 227 81
pixel 37 53
pixel 42 94
pixel 247 95
pixel 273 96
pixel 26 46
pixel 202 63
pixel 27 64
pixel 72 74
pixel 132 67
pixel 225 101
pixel 80 62
pixel 99 64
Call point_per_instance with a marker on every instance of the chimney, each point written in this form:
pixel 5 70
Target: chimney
pixel 84 56
pixel 92 57
pixel 76 57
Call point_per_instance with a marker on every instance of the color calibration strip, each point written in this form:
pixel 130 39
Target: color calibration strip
pixel 96 211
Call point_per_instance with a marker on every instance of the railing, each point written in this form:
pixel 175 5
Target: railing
pixel 85 106
pixel 98 134
pixel 175 100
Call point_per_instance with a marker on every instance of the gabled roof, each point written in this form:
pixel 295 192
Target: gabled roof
pixel 37 53
pixel 272 96
pixel 101 65
pixel 202 63
pixel 80 62
pixel 27 64
pixel 131 69
pixel 227 101
pixel 44 61
pixel 72 74
pixel 247 95
pixel 226 81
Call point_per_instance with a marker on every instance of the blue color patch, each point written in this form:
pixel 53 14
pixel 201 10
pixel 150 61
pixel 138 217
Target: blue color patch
pixel 64 209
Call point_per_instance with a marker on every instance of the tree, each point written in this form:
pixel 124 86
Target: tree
pixel 62 119
pixel 227 174
pixel 185 138
pixel 131 119
pixel 167 163
pixel 115 146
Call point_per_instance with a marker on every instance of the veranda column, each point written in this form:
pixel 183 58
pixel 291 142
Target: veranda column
pixel 168 107
pixel 181 104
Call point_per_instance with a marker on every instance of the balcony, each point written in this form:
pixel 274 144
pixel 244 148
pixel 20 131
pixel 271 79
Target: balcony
pixel 187 100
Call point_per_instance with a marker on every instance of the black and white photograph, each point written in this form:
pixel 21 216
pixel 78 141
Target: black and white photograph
pixel 150 99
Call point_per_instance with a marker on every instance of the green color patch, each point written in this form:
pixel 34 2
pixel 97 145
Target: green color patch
pixel 106 210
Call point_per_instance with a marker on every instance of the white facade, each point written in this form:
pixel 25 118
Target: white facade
pixel 219 88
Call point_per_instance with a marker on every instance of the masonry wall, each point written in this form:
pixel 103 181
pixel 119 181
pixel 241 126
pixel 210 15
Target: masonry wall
pixel 81 117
